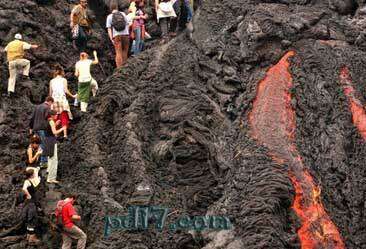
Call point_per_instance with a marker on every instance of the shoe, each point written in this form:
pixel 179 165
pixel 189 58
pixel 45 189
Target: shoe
pixel 33 240
pixel 53 181
pixel 43 165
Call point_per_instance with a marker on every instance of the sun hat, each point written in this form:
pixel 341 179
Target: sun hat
pixel 18 36
pixel 166 7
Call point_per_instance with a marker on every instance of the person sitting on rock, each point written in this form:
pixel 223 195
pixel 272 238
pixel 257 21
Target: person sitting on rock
pixel 65 211
pixel 38 124
pixel 86 81
pixel 34 152
pixel 118 32
pixel 58 91
pixel 80 25
pixel 15 56
pixel 50 149
pixel 31 204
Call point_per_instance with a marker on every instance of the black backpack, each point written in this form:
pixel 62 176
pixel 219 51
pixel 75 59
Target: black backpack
pixel 118 21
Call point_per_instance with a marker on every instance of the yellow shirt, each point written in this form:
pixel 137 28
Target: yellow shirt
pixel 15 49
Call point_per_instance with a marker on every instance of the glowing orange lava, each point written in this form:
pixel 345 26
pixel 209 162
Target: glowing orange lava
pixel 358 112
pixel 273 124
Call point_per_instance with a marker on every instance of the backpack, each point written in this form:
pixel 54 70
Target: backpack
pixel 58 214
pixel 118 21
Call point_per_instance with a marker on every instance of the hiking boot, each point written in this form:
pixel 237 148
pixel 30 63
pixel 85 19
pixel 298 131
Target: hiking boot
pixel 33 240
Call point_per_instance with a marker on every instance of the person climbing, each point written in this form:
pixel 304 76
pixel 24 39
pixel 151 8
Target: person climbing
pixel 31 205
pixel 65 211
pixel 15 57
pixel 138 28
pixel 34 152
pixel 80 25
pixel 50 149
pixel 58 91
pixel 38 124
pixel 86 81
pixel 117 26
pixel 164 12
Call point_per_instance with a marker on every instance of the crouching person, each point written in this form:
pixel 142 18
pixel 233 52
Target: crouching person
pixel 66 215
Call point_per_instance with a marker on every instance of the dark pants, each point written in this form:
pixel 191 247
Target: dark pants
pixel 30 216
pixel 174 21
pixel 164 26
pixel 42 136
pixel 82 41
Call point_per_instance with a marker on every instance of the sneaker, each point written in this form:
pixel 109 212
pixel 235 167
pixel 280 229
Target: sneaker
pixel 43 165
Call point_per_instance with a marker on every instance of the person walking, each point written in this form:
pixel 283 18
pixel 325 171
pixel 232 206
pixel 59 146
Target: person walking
pixel 118 32
pixel 39 122
pixel 80 25
pixel 15 57
pixel 65 211
pixel 138 28
pixel 50 149
pixel 31 204
pixel 58 90
pixel 164 12
pixel 86 81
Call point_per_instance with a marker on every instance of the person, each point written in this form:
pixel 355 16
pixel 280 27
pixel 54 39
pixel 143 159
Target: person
pixel 15 57
pixel 175 20
pixel 80 25
pixel 188 5
pixel 58 91
pixel 65 211
pixel 86 81
pixel 138 28
pixel 30 209
pixel 50 149
pixel 164 12
pixel 117 26
pixel 34 152
pixel 38 124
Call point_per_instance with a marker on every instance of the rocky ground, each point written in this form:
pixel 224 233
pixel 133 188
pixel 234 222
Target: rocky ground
pixel 171 128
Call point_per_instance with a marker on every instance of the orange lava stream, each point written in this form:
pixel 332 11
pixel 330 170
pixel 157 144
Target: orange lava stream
pixel 357 110
pixel 273 124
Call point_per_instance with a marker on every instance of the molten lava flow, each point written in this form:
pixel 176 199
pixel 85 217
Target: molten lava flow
pixel 273 124
pixel 358 112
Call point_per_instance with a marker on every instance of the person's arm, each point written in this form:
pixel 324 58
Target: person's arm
pixel 50 91
pixel 77 70
pixel 73 15
pixel 72 213
pixel 25 189
pixel 67 91
pixel 96 61
pixel 32 159
pixel 53 128
pixel 110 34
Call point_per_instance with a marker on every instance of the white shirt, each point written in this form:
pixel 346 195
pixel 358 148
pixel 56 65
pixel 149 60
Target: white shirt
pixel 35 180
pixel 83 67
pixel 115 32
pixel 58 87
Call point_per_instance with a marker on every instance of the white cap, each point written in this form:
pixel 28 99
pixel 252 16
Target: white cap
pixel 18 36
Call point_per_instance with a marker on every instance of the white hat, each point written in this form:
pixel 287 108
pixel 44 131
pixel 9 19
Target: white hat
pixel 166 7
pixel 18 36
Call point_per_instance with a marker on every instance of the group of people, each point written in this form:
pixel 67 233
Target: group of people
pixel 50 120
pixel 130 28
pixel 46 125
